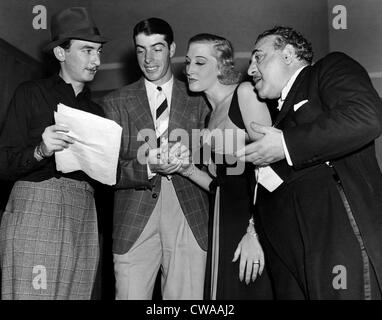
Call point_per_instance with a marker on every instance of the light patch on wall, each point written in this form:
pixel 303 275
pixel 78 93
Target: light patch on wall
pixel 181 59
pixel 177 59
pixel 375 75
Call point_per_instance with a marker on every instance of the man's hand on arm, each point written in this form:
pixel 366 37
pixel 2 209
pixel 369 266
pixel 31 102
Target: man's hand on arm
pixel 266 150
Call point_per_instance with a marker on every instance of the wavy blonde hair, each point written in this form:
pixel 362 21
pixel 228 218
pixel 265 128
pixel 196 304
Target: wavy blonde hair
pixel 223 52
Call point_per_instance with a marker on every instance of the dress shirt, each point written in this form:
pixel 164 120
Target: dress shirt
pixel 152 94
pixel 288 86
pixel 284 93
pixel 30 112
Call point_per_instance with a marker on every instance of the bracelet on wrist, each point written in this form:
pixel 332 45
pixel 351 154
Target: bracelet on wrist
pixel 189 171
pixel 251 228
pixel 252 232
pixel 39 155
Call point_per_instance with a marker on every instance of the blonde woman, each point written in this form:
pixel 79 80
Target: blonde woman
pixel 235 256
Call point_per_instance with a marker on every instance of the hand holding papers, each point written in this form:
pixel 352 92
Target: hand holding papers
pixel 96 147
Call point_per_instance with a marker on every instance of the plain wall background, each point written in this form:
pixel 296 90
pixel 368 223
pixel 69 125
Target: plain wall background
pixel 239 20
pixel 361 39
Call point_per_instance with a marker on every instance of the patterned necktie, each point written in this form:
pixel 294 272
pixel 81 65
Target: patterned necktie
pixel 162 116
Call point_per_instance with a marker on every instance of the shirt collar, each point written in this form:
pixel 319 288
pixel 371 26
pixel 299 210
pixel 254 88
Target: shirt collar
pixel 151 87
pixel 58 81
pixel 288 86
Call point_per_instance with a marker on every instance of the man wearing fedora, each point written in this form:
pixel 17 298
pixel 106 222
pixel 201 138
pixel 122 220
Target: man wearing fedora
pixel 48 236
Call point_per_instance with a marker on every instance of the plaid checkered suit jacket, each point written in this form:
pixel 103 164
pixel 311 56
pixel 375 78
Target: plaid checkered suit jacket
pixel 136 195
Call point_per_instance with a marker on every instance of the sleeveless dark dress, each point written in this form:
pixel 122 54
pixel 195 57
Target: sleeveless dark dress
pixel 227 225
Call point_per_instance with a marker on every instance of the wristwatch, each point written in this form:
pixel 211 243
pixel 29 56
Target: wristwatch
pixel 38 154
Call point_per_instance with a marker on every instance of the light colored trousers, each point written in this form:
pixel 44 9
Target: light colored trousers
pixel 166 242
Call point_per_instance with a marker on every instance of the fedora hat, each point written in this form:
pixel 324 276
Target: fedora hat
pixel 73 23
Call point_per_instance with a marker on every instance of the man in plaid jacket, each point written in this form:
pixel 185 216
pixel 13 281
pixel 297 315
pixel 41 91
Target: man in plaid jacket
pixel 160 219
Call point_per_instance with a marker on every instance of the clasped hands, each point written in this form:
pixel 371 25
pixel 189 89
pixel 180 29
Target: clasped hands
pixel 170 158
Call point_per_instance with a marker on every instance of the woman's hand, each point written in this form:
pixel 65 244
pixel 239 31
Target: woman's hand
pixel 179 153
pixel 251 258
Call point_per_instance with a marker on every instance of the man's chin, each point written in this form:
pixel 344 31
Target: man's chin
pixel 259 87
pixel 264 94
pixel 261 93
pixel 89 77
pixel 151 76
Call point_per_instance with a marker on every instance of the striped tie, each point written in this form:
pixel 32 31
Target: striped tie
pixel 162 116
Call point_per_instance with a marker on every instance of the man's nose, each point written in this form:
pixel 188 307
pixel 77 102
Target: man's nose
pixel 96 59
pixel 252 69
pixel 148 57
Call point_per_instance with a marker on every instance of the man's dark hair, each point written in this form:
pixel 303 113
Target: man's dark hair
pixel 287 35
pixel 154 26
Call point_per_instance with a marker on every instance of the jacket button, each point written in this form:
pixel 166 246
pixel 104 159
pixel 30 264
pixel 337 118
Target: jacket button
pixel 147 152
pixel 147 139
pixel 155 195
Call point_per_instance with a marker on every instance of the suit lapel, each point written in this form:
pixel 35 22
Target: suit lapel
pixel 142 113
pixel 296 93
pixel 178 108
pixel 141 109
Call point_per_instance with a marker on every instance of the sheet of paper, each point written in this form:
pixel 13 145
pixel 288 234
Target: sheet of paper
pixel 96 147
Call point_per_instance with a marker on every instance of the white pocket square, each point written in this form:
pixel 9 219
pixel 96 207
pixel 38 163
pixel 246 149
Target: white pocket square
pixel 299 105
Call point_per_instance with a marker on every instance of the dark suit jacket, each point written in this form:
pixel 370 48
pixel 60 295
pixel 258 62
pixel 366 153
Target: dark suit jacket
pixel 339 123
pixel 136 195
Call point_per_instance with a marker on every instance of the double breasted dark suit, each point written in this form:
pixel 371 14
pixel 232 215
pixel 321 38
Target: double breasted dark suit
pixel 326 253
pixel 136 195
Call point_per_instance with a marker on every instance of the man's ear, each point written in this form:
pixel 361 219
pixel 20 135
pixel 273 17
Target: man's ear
pixel 288 54
pixel 172 49
pixel 59 53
